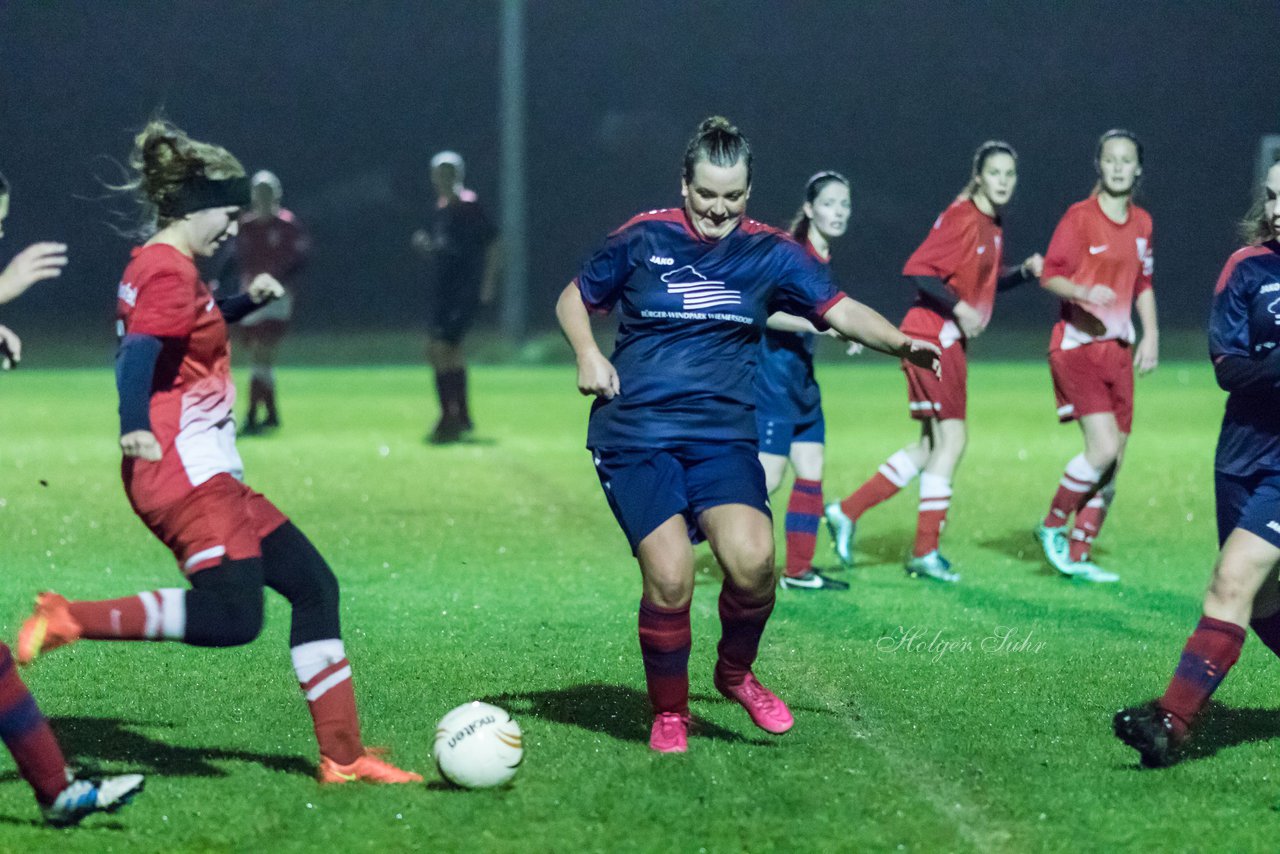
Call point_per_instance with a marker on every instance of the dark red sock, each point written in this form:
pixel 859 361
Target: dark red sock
pixel 324 674
pixel 1210 651
pixel 804 512
pixel 1089 521
pixel 27 735
pixel 1268 631
pixel 112 619
pixel 742 621
pixel 665 641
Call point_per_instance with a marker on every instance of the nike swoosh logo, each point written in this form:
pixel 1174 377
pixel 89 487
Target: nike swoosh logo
pixel 1094 250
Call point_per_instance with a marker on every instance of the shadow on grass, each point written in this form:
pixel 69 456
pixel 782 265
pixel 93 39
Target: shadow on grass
pixel 91 742
pixel 613 710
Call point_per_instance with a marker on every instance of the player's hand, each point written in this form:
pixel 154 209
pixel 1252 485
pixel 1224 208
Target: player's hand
pixel 597 376
pixel 1100 295
pixel 10 348
pixel 1034 266
pixel 421 241
pixel 923 354
pixel 854 348
pixel 141 444
pixel 1146 355
pixel 969 319
pixel 37 262
pixel 265 288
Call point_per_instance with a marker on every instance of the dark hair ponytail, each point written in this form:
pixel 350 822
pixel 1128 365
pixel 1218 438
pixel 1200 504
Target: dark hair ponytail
pixel 817 183
pixel 718 142
pixel 985 152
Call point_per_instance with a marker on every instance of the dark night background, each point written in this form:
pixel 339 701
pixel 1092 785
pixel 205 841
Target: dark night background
pixel 347 101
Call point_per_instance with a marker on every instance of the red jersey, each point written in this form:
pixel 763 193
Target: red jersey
pixel 1090 249
pixel 192 395
pixel 964 251
pixel 270 244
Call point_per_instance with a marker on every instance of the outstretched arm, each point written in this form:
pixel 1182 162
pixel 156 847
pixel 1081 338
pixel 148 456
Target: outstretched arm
pixel 867 326
pixel 37 262
pixel 596 374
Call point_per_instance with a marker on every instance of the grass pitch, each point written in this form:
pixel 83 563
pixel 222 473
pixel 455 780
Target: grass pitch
pixel 929 718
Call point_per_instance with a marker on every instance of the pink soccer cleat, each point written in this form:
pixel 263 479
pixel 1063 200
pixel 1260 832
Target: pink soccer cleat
pixel 764 706
pixel 670 733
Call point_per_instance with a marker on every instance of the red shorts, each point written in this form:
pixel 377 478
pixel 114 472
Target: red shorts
pixel 930 397
pixel 1094 378
pixel 221 519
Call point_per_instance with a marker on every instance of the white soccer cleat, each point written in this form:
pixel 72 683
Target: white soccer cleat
pixel 84 797
pixel 1087 570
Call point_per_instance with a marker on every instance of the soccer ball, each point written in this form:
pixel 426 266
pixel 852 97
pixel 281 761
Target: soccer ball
pixel 478 745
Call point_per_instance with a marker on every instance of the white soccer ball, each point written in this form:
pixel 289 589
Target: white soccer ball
pixel 478 745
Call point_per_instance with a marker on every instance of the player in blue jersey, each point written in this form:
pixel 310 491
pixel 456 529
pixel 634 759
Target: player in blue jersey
pixel 1244 343
pixel 788 402
pixel 672 430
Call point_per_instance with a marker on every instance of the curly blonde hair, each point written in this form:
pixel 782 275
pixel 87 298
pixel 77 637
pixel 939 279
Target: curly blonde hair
pixel 165 159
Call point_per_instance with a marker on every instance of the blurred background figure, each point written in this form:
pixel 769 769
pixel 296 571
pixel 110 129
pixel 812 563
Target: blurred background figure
pixel 464 259
pixel 272 241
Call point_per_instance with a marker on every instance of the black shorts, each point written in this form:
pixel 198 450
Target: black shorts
pixel 1251 503
pixel 646 487
pixel 451 318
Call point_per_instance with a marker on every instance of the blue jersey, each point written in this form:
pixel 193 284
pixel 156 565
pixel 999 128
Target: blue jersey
pixel 785 385
pixel 1245 323
pixel 692 311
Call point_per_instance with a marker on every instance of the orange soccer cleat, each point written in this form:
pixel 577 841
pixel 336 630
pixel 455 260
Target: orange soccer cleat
pixel 367 767
pixel 49 627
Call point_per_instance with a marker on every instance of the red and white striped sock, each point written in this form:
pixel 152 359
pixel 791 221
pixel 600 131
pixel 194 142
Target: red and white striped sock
pixel 892 477
pixel 1089 522
pixel 151 615
pixel 324 675
pixel 935 500
pixel 1078 480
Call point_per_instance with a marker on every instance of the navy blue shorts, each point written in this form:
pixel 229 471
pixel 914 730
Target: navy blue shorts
pixel 647 486
pixel 777 435
pixel 1251 503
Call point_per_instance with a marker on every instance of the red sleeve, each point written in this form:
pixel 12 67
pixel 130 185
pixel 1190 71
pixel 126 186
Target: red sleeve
pixel 1065 249
pixel 944 249
pixel 1143 282
pixel 166 305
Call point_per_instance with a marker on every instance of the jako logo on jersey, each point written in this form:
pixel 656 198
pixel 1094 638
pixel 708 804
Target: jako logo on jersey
pixel 661 260
pixel 128 293
pixel 1269 288
pixel 1274 525
pixel 698 291
pixel 1274 308
pixel 1094 250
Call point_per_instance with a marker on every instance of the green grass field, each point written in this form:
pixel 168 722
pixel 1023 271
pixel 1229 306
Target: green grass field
pixel 494 570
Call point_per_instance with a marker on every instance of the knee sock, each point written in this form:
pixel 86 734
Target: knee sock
pixel 26 733
pixel 324 674
pixel 1210 651
pixel 665 641
pixel 742 620
pixel 935 500
pixel 804 511
pixel 894 475
pixel 1089 521
pixel 295 569
pixel 1078 480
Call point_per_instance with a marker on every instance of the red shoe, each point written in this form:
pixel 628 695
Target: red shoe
pixel 49 627
pixel 367 767
pixel 768 712
pixel 670 733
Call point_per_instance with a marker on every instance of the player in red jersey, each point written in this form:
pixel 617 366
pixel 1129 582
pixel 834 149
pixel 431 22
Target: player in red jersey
pixel 1099 262
pixel 672 430
pixel 270 240
pixel 63 798
pixel 1244 344
pixel 182 472
pixel 956 273
pixel 465 255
